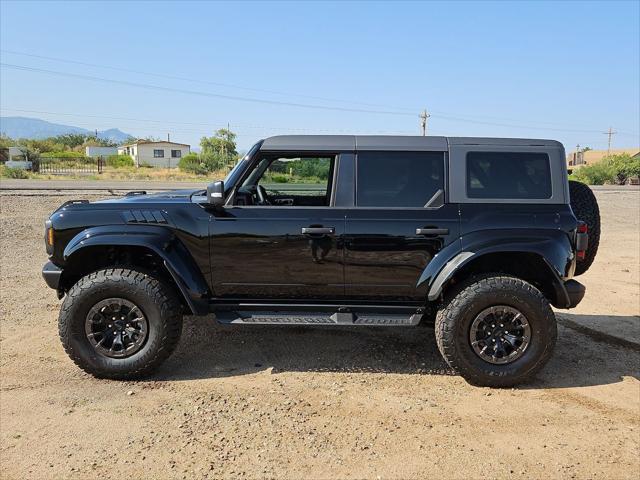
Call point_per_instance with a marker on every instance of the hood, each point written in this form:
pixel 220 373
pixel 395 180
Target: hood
pixel 171 196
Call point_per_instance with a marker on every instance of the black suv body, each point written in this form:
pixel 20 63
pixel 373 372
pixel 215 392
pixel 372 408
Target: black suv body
pixel 332 230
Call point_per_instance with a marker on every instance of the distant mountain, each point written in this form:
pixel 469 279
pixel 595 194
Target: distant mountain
pixel 114 135
pixel 23 127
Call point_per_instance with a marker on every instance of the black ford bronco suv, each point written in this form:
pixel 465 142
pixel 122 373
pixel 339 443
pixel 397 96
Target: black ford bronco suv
pixel 481 235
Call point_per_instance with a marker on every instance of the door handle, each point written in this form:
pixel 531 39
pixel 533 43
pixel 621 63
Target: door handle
pixel 432 231
pixel 318 230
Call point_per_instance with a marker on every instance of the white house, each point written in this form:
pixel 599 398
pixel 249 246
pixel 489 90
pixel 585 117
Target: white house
pixel 155 154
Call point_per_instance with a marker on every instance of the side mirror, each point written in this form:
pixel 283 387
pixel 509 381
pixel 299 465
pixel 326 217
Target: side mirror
pixel 215 194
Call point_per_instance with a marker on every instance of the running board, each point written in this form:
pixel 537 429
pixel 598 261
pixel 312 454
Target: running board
pixel 317 318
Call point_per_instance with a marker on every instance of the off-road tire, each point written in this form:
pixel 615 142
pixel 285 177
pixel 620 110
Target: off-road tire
pixel 158 303
pixel 454 320
pixel 585 208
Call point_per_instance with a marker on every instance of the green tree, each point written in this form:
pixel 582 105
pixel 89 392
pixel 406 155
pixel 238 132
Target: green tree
pixel 128 140
pixel 99 142
pixel 41 145
pixel 219 151
pixel 6 142
pixel 71 140
pixel 311 168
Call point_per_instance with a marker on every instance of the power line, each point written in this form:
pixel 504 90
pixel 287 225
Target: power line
pixel 439 114
pixel 290 104
pixel 204 82
pixel 206 124
pixel 198 93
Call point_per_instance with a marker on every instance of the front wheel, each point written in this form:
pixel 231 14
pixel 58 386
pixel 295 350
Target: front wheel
pixel 119 323
pixel 496 331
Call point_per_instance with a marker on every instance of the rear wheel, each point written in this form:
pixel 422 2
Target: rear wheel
pixel 496 331
pixel 585 207
pixel 119 323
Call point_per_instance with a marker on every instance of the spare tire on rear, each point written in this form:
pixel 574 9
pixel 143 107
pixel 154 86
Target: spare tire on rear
pixel 585 208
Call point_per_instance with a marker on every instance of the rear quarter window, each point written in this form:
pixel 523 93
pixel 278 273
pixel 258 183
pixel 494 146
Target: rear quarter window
pixel 515 175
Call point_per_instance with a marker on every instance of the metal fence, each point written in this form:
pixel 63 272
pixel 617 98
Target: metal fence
pixel 62 166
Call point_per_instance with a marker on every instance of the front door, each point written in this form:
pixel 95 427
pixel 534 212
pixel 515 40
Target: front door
pixel 399 224
pixel 281 237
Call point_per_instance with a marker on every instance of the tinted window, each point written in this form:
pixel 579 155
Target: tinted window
pixel 398 179
pixel 508 175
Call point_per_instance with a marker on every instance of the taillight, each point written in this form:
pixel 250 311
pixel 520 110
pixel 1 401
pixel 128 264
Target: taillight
pixel 582 240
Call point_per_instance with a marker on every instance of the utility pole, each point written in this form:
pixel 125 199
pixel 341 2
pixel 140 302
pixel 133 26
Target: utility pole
pixel 610 133
pixel 576 156
pixel 168 137
pixel 423 122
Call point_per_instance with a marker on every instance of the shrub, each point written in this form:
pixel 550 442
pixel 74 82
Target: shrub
pixel 624 166
pixel 279 178
pixel 613 169
pixel 65 154
pixel 119 161
pixel 8 172
pixel 596 174
pixel 193 164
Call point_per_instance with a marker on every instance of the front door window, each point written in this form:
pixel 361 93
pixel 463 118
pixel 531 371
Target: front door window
pixel 294 181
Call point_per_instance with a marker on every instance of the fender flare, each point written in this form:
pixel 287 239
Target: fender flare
pixel 553 248
pixel 163 242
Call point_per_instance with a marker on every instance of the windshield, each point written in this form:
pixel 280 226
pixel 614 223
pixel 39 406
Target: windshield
pixel 232 176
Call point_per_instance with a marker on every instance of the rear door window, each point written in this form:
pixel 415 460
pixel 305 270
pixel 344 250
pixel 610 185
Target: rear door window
pixel 515 175
pixel 398 179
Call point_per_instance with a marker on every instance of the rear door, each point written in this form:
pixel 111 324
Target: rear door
pixel 399 223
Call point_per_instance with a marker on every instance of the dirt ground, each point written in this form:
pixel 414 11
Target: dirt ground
pixel 255 402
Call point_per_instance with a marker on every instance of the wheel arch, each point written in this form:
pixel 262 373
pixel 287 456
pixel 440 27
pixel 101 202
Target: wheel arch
pixel 149 248
pixel 528 265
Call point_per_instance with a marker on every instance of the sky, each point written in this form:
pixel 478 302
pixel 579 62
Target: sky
pixel 561 70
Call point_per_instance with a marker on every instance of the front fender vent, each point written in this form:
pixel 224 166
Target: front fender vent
pixel 144 216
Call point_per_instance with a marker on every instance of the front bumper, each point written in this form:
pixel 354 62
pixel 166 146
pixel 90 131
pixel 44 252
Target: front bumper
pixel 575 292
pixel 51 274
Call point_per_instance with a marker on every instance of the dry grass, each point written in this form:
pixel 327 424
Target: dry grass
pixel 132 173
